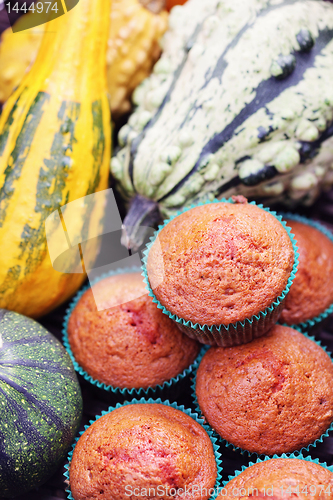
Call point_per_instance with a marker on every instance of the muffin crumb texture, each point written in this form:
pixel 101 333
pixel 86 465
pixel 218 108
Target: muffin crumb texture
pixel 281 479
pixel 142 446
pixel 128 345
pixel 271 396
pixel 221 263
pixel 312 290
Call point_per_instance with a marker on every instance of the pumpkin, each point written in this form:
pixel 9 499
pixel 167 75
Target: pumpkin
pixel 40 404
pixel 240 102
pixel 55 139
pixel 132 50
pixel 171 3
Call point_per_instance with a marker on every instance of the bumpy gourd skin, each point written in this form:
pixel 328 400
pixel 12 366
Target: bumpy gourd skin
pixel 277 477
pixel 230 106
pixel 273 395
pixel 312 290
pixel 55 140
pixel 143 446
pixel 132 50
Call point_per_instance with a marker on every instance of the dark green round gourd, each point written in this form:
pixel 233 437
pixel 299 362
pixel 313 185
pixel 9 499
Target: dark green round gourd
pixel 40 404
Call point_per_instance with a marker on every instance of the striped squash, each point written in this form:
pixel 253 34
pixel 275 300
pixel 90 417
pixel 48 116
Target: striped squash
pixel 55 140
pixel 131 52
pixel 40 404
pixel 241 102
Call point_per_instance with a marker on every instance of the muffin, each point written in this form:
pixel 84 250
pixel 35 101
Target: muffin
pixel 130 343
pixel 281 478
pixel 138 447
pixel 221 264
pixel 312 290
pixel 273 395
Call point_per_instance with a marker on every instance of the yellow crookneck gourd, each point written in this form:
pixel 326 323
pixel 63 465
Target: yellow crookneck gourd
pixel 133 49
pixel 55 141
pixel 131 53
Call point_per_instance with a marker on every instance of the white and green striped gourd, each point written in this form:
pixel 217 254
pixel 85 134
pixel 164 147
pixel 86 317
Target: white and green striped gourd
pixel 241 102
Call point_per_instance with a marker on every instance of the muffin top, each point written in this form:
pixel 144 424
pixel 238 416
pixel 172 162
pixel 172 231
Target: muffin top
pixel 142 446
pixel 281 478
pixel 273 395
pixel 220 263
pixel 130 343
pixel 312 290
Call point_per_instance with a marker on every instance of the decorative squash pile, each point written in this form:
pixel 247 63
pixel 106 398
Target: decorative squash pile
pixel 219 115
pixel 239 103
pixel 131 51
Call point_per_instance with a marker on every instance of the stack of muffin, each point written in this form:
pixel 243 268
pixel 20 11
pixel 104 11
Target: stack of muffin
pixel 220 273
pixel 228 268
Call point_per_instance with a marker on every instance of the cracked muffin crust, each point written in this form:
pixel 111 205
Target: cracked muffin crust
pixel 273 395
pixel 220 263
pixel 140 447
pixel 128 345
pixel 279 479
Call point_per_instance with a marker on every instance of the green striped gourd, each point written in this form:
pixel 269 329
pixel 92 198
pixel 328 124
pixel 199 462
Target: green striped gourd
pixel 55 140
pixel 40 404
pixel 241 102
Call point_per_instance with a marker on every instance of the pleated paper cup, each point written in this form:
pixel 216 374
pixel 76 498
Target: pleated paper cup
pixel 231 334
pixel 295 477
pixel 312 320
pixel 230 444
pixel 188 412
pixel 171 388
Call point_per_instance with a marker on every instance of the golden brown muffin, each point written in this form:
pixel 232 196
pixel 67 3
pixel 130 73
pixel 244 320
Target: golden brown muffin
pixel 273 395
pixel 312 290
pixel 222 263
pixel 128 345
pixel 281 479
pixel 142 446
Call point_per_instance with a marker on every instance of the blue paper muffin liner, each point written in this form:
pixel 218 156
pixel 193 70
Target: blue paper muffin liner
pixel 317 319
pixel 251 453
pixel 160 388
pixel 232 334
pixel 189 412
pixel 291 456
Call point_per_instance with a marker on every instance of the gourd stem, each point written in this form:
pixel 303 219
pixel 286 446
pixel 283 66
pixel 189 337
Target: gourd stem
pixel 155 6
pixel 141 217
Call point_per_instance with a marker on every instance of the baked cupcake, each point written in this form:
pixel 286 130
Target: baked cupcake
pixel 273 395
pixel 138 447
pixel 129 344
pixel 221 270
pixel 281 478
pixel 311 294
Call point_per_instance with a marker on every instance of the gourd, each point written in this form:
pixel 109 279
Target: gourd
pixel 240 102
pixel 17 52
pixel 55 139
pixel 40 404
pixel 131 52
